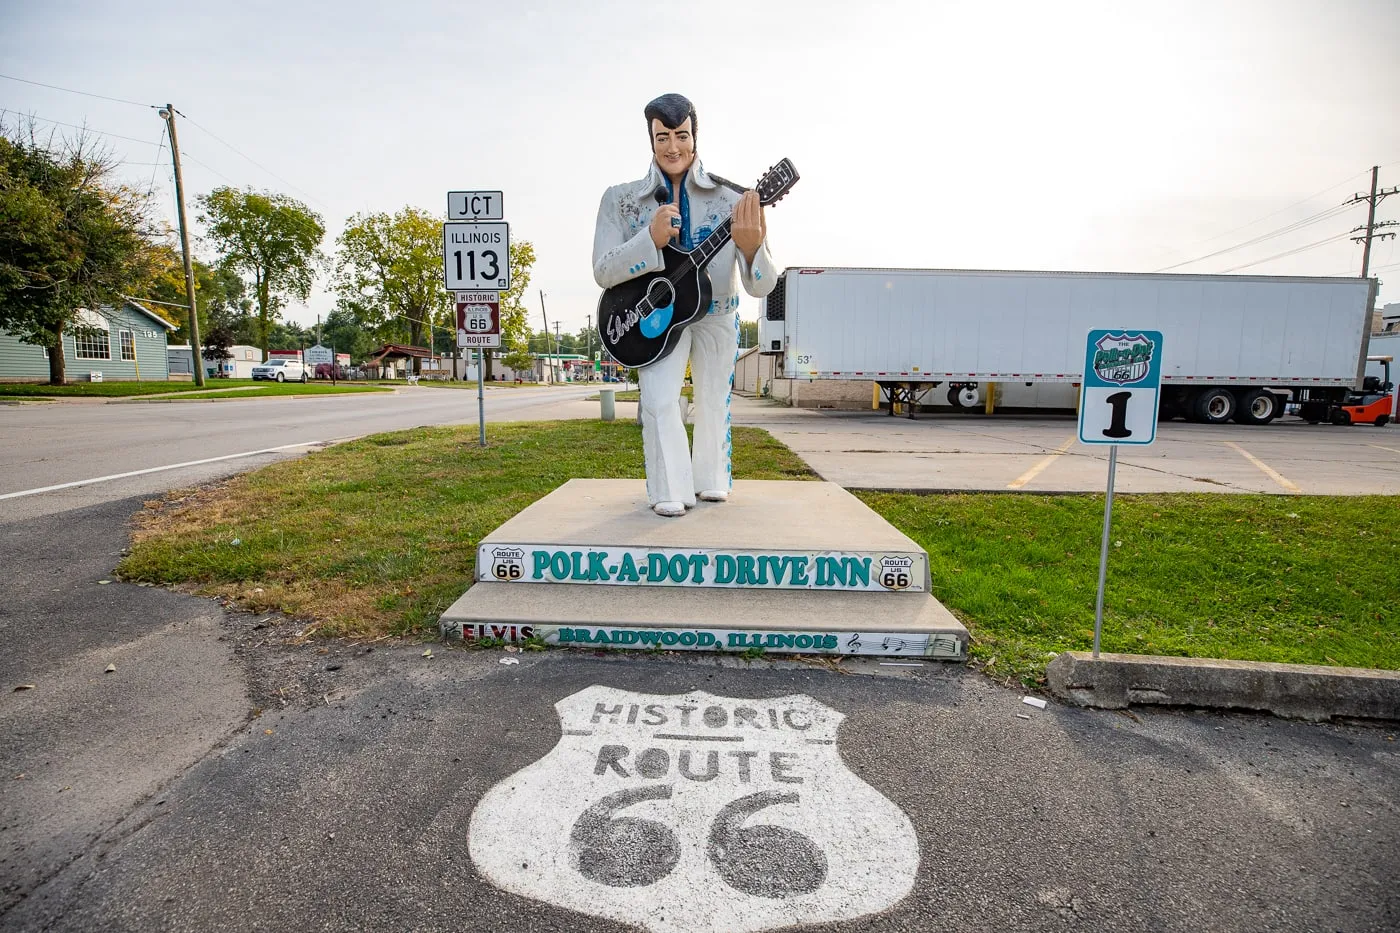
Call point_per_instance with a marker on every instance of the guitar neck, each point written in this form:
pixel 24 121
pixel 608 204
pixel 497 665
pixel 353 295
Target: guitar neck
pixel 702 254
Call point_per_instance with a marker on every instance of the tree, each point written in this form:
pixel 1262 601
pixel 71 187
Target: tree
pixel 289 336
pixel 271 240
pixel 343 332
pixel 389 273
pixel 515 327
pixel 70 238
pixel 219 294
pixel 748 333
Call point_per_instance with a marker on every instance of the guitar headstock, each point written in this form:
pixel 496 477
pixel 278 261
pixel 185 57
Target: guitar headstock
pixel 776 182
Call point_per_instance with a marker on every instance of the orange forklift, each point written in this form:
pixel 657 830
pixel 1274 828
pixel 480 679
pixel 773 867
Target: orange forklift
pixel 1374 404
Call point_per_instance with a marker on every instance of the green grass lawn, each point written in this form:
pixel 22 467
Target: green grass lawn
pixel 1296 579
pixel 104 389
pixel 379 535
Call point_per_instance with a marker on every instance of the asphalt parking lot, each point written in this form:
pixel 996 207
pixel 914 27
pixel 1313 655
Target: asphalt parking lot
pixel 1041 454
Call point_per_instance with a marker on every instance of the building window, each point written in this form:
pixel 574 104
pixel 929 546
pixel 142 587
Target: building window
pixel 128 345
pixel 93 345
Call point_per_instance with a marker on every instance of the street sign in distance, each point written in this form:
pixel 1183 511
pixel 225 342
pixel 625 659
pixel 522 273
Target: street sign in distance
pixel 1122 384
pixel 318 354
pixel 478 319
pixel 474 205
pixel 476 256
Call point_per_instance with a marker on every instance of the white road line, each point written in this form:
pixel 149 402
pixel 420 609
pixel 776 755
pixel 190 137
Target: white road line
pixel 1036 470
pixel 1268 471
pixel 1383 447
pixel 173 466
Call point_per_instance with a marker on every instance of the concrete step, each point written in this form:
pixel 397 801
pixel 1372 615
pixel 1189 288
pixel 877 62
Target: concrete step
pixel 714 619
pixel 769 535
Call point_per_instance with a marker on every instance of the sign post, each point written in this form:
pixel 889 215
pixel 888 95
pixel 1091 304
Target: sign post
pixel 479 326
pixel 476 265
pixel 1118 405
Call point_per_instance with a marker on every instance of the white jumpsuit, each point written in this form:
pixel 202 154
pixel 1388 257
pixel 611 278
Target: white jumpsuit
pixel 622 250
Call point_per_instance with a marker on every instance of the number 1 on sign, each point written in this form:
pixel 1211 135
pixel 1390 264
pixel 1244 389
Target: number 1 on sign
pixel 1118 427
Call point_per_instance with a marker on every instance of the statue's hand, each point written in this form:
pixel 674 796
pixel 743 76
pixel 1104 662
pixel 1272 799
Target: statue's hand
pixel 749 227
pixel 663 227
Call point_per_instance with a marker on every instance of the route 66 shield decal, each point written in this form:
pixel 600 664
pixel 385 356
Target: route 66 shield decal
pixel 696 813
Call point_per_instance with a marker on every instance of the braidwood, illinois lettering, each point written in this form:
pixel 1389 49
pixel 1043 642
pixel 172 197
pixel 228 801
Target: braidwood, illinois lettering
pixel 667 567
pixel 943 645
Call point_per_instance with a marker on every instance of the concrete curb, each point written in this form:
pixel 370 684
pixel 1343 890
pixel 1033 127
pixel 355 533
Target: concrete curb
pixel 1295 691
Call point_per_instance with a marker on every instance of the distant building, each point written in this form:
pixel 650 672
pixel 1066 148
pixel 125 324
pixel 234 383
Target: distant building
pixel 240 366
pixel 1390 318
pixel 125 343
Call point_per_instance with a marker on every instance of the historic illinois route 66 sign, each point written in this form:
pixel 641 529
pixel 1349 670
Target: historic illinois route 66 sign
pixel 696 813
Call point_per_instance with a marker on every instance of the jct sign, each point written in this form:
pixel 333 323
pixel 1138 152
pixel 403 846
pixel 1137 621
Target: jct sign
pixel 696 814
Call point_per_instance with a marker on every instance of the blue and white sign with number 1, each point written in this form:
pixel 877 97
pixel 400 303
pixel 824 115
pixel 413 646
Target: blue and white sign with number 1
pixel 1122 381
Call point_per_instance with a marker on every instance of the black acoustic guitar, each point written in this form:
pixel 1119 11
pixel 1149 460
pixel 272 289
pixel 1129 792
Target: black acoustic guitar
pixel 641 319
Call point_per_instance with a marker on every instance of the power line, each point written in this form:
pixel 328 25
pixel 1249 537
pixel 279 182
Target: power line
pixel 160 146
pixel 1322 242
pixel 75 126
pixel 1275 213
pixel 1290 228
pixel 69 90
pixel 249 158
pixel 205 165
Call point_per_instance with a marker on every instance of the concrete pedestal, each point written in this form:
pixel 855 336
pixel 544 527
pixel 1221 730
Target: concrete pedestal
pixel 782 566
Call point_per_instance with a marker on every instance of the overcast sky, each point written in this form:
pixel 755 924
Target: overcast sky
pixel 1119 135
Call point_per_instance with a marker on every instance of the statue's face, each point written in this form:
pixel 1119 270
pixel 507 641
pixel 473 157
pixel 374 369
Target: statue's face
pixel 674 149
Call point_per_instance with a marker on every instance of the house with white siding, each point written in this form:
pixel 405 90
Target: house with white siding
pixel 120 343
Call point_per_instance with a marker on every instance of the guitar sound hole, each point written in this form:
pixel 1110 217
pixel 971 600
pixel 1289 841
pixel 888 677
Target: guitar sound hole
pixel 660 293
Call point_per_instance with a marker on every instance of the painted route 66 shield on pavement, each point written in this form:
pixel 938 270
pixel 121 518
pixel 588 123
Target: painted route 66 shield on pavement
pixel 695 813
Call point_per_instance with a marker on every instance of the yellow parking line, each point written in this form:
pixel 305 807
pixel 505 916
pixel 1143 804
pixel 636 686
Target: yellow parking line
pixel 1036 470
pixel 1268 471
pixel 1383 447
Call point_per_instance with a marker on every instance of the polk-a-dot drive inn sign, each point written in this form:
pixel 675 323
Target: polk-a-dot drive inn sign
pixel 696 814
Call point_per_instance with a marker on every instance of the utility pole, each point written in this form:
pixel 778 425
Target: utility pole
pixel 167 113
pixel 588 331
pixel 545 314
pixel 1375 197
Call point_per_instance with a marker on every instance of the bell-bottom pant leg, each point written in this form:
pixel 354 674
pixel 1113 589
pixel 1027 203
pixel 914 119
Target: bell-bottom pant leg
pixel 713 351
pixel 664 444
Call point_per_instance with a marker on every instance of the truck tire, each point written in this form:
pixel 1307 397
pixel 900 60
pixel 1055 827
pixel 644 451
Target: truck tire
pixel 281 378
pixel 1214 406
pixel 1258 406
pixel 1340 416
pixel 962 397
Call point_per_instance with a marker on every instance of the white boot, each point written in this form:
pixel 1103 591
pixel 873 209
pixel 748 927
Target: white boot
pixel 714 495
pixel 668 509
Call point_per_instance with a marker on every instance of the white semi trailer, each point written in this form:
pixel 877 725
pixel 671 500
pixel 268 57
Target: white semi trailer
pixel 1234 347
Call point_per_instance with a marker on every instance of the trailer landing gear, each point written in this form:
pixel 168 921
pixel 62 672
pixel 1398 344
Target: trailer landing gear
pixel 905 393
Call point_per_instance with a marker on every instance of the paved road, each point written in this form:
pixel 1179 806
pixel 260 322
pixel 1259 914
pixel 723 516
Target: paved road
pixel 50 444
pixel 1008 453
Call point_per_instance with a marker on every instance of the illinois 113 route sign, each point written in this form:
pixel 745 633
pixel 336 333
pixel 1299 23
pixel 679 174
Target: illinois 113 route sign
pixel 1122 382
pixel 696 813
pixel 476 256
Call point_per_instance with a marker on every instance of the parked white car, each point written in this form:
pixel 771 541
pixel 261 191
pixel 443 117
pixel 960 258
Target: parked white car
pixel 281 370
